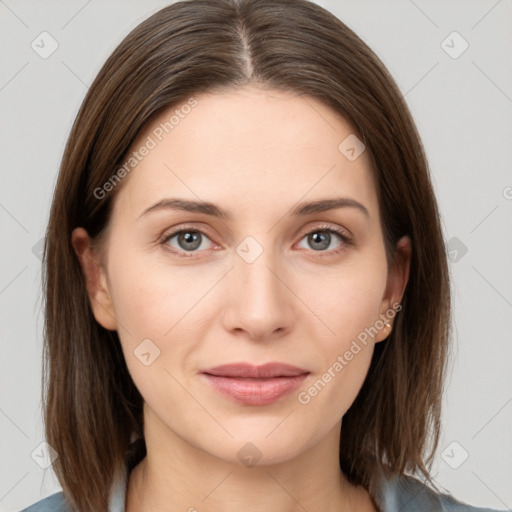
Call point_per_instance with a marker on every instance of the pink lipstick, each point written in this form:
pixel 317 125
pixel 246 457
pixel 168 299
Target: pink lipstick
pixel 255 385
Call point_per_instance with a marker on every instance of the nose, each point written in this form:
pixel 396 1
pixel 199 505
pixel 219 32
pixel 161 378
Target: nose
pixel 260 302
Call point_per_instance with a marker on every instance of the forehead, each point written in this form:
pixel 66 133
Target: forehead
pixel 249 148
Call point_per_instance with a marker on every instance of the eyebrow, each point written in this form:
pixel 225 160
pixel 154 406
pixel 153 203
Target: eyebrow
pixel 304 208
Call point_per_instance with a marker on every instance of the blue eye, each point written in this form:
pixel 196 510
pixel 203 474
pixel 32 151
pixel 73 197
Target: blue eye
pixel 188 240
pixel 319 239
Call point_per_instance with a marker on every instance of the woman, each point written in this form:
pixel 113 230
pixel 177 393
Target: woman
pixel 247 293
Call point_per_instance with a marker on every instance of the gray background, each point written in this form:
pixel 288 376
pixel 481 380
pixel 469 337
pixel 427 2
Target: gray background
pixel 462 107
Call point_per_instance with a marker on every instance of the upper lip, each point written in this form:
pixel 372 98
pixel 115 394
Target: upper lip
pixel 247 370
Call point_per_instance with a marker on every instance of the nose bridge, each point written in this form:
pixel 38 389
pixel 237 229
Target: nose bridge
pixel 260 302
pixel 253 267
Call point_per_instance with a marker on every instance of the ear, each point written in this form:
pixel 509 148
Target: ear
pixel 95 279
pixel 398 277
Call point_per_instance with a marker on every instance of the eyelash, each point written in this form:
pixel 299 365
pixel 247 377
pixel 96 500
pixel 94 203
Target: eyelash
pixel 346 240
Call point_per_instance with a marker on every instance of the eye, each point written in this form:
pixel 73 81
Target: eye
pixel 321 238
pixel 187 241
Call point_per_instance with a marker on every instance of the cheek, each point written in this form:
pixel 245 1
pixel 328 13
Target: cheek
pixel 151 297
pixel 151 304
pixel 346 300
pixel 349 308
pixel 160 310
pixel 343 361
pixel 331 392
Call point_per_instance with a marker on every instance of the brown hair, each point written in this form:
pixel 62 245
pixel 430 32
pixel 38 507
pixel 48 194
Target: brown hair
pixel 92 407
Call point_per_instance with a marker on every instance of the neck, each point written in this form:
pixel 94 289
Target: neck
pixel 176 475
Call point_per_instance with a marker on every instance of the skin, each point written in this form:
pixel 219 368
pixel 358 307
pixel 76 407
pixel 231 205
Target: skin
pixel 257 154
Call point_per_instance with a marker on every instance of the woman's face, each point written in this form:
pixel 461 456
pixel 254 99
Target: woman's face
pixel 265 283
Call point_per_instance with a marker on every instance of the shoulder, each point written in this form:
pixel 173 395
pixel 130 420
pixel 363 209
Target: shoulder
pixel 54 503
pixel 403 492
pixel 58 503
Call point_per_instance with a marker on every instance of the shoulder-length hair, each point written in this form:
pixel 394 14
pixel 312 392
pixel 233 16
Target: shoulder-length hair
pixel 92 409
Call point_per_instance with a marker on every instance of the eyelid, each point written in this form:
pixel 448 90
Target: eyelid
pixel 343 232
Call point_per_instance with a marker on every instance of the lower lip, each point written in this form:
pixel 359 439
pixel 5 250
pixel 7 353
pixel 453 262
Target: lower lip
pixel 255 391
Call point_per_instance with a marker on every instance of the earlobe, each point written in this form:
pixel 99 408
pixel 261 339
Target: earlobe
pixel 95 279
pixel 384 332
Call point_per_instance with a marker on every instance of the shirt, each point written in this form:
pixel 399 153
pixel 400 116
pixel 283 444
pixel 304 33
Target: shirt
pixel 400 493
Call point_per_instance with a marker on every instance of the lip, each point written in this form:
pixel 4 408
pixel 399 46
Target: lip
pixel 255 385
pixel 250 371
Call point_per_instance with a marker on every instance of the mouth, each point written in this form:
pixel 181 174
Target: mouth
pixel 255 385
